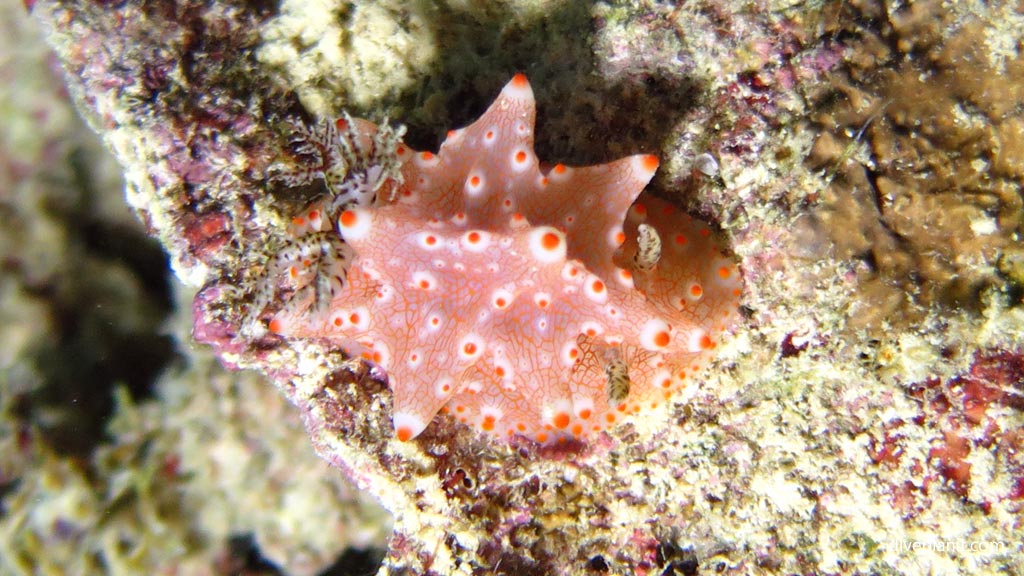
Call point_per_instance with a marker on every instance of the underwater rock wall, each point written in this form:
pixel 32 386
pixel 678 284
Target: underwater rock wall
pixel 868 397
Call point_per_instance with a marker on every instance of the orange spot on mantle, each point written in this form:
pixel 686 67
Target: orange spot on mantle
pixel 550 241
pixel 561 420
pixel 348 218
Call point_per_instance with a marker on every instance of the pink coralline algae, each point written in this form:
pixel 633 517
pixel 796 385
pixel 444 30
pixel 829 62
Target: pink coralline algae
pixel 545 302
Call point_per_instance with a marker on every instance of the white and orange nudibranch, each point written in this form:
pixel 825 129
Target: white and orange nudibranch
pixel 550 304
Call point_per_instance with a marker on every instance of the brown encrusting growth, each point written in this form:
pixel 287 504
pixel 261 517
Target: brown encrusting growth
pixel 923 139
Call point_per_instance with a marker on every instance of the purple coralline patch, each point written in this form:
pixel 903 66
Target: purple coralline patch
pixel 966 407
pixel 206 234
pixel 212 329
pixel 964 413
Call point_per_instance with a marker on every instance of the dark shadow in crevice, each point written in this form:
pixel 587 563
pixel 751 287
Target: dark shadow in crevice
pixel 106 306
pixel 356 562
pixel 582 118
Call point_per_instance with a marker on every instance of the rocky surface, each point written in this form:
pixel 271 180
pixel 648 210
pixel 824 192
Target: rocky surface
pixel 863 417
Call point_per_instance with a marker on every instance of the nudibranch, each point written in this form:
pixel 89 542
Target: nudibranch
pixel 547 302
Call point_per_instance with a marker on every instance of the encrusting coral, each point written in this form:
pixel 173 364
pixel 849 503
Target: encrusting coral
pixel 935 210
pixel 522 299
